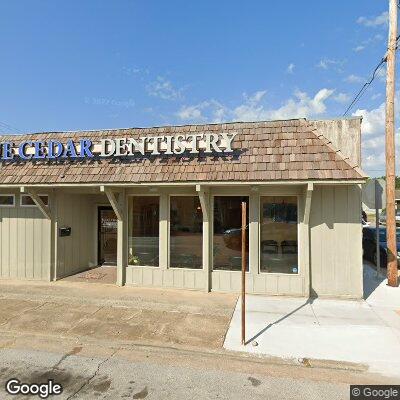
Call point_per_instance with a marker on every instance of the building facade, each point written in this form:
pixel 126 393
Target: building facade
pixel 163 205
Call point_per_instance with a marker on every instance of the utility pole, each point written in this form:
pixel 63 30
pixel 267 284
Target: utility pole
pixel 390 148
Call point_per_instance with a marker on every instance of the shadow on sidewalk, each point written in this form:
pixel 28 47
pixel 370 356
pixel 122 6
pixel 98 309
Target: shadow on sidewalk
pixel 371 279
pixel 310 300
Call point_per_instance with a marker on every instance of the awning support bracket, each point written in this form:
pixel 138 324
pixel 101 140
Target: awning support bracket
pixel 202 192
pixel 38 201
pixel 310 188
pixel 113 201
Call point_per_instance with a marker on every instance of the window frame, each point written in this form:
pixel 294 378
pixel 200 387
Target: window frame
pixel 169 234
pixel 8 205
pixel 33 205
pixel 299 267
pixel 130 196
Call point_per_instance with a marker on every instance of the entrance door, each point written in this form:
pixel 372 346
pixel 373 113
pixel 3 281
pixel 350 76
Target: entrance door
pixel 107 229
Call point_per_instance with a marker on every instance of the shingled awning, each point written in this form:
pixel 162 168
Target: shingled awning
pixel 291 150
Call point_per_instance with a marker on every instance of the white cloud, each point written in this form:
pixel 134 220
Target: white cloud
pixel 373 120
pixel 209 110
pixel 193 113
pixel 373 139
pixel 163 89
pixel 381 74
pixel 377 38
pixel 327 63
pixel 290 68
pixel 354 79
pixel 376 96
pixel 342 98
pixel 359 48
pixel 374 143
pixel 302 105
pixel 253 109
pixel 381 19
pixel 135 71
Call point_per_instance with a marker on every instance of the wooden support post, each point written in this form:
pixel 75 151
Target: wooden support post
pixel 120 208
pixel 243 272
pixel 164 231
pixel 53 275
pixel 122 238
pixel 204 197
pixel 390 148
pixel 307 240
pixel 253 232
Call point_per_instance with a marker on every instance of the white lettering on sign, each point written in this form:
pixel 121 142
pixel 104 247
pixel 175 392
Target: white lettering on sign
pixel 156 145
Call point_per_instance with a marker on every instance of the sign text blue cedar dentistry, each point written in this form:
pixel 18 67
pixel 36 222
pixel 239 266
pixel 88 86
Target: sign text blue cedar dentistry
pixel 120 147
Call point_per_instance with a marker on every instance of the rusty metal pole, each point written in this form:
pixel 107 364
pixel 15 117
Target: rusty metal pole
pixel 390 148
pixel 243 273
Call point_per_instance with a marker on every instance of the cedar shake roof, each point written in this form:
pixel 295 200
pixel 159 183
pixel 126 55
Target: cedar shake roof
pixel 264 151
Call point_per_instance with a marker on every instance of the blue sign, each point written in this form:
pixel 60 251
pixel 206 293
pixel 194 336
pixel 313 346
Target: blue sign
pixel 40 150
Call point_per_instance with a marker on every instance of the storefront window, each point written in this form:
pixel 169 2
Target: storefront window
pixel 278 235
pixel 186 232
pixel 227 239
pixel 143 245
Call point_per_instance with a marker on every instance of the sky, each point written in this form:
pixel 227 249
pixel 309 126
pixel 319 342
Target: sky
pixel 78 65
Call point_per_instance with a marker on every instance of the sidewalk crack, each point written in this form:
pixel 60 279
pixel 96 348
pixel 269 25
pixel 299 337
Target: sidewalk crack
pixel 87 382
pixel 25 312
pixel 315 315
pixel 84 319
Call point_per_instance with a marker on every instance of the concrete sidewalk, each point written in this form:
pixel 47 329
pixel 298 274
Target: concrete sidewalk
pixel 366 332
pixel 106 312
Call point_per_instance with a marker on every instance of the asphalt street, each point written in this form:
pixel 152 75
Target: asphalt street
pixel 115 378
pixel 102 342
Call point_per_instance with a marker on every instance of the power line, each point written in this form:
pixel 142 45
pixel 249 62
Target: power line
pixel 8 127
pixel 366 84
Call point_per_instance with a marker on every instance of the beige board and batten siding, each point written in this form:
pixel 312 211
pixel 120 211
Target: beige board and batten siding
pixel 336 241
pixel 76 253
pixel 25 246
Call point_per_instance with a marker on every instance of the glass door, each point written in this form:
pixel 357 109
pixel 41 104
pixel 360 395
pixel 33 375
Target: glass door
pixel 107 240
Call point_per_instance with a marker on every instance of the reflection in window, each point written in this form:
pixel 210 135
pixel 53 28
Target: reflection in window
pixel 278 234
pixel 186 232
pixel 7 200
pixel 227 239
pixel 27 200
pixel 143 237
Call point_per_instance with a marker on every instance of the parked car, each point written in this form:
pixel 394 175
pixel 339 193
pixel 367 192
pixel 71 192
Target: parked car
pixel 382 217
pixel 369 244
pixel 364 219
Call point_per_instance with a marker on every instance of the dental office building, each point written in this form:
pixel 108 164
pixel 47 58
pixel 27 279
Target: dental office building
pixel 163 205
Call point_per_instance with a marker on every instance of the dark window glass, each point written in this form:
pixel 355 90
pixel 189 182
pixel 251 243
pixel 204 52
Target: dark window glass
pixel 278 235
pixel 143 235
pixel 6 200
pixel 227 238
pixel 186 232
pixel 27 200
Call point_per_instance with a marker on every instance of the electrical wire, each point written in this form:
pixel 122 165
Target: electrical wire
pixel 8 128
pixel 366 84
